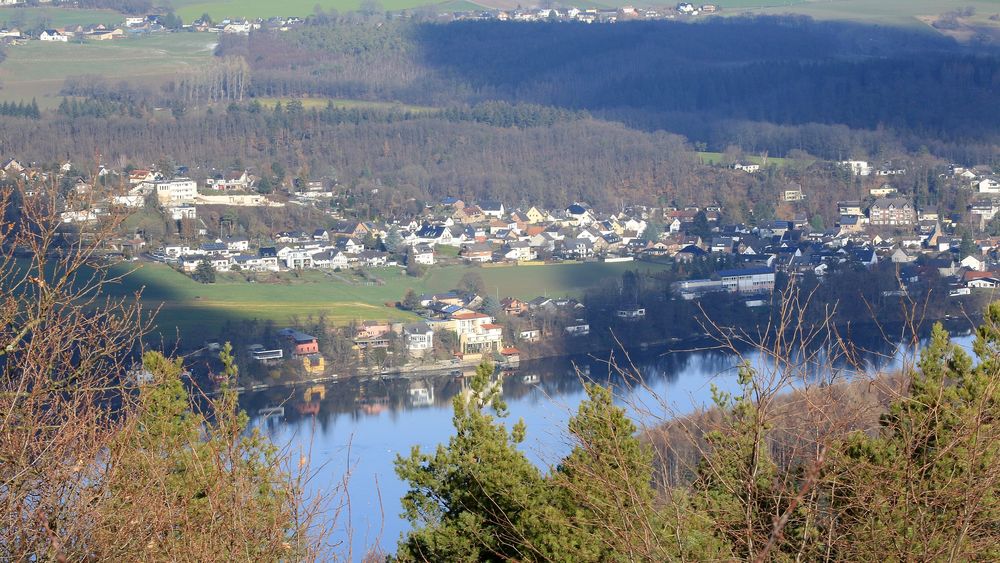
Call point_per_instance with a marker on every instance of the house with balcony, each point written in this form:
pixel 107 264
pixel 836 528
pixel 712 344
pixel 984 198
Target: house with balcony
pixel 892 211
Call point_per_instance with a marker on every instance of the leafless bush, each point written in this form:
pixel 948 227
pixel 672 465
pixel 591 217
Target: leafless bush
pixel 94 468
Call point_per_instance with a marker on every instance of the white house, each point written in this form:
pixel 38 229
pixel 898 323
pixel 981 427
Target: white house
pixel 493 209
pixel 419 338
pixel 422 254
pixel 858 167
pixel 973 263
pixel 175 250
pixel 129 201
pixel 183 211
pixel 988 186
pixel 53 35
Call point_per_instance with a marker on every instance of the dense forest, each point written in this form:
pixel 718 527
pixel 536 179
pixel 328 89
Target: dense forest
pixel 549 113
pixel 693 79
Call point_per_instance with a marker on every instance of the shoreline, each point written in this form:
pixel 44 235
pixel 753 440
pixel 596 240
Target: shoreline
pixel 464 367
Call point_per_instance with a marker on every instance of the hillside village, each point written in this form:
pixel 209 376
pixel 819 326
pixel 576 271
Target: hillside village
pixel 141 25
pixel 737 259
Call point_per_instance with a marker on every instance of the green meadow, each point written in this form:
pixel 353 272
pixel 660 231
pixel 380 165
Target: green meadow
pixel 38 70
pixel 196 310
pixel 883 12
pixel 190 10
pixel 25 17
pixel 718 158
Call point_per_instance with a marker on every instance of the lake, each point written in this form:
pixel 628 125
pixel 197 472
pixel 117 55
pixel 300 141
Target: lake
pixel 362 425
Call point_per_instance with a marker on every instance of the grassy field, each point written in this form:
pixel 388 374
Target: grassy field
pixel 885 12
pixel 718 157
pixel 37 69
pixel 23 17
pixel 196 310
pixel 342 103
pixel 190 10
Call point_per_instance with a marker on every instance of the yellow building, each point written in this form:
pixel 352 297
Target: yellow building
pixel 314 364
pixel 534 215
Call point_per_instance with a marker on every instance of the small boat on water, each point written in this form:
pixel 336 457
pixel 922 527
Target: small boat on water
pixel 530 378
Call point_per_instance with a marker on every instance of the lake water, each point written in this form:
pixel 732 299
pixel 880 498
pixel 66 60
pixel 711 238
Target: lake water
pixel 361 426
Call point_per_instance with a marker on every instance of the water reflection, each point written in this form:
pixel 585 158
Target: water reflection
pixel 362 424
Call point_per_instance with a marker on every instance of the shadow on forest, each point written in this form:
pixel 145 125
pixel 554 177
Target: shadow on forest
pixel 688 76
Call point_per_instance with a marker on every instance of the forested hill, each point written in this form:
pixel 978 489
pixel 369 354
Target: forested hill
pixel 680 76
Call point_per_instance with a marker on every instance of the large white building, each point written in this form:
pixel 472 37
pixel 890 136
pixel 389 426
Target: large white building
pixel 178 190
pixel 748 280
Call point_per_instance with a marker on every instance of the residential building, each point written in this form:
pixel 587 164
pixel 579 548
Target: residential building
pixel 988 186
pixel 492 209
pixel 302 344
pixel 53 35
pixel 422 254
pixel 851 207
pixel 478 252
pixel 182 211
pixel 858 167
pixel 174 191
pixel 896 211
pixel 419 338
pixel 792 195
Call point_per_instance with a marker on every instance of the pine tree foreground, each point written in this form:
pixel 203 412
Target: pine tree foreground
pixel 922 485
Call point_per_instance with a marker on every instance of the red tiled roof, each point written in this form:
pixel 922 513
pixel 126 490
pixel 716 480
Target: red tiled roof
pixel 469 316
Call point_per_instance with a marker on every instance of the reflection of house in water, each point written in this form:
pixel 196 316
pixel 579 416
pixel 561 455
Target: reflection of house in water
pixel 369 404
pixel 311 408
pixel 495 383
pixel 311 398
pixel 421 393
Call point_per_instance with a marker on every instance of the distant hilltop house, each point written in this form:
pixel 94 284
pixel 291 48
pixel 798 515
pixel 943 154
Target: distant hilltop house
pixel 882 191
pixel 858 167
pixel 748 167
pixel 793 194
pixel 53 35
pixel 232 180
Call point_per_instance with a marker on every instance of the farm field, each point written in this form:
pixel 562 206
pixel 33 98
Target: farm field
pixel 37 70
pixel 24 17
pixel 884 12
pixel 197 310
pixel 190 10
